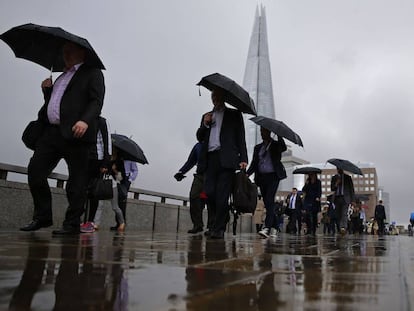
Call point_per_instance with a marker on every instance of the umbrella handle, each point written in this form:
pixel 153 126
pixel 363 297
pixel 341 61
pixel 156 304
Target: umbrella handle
pixel 51 71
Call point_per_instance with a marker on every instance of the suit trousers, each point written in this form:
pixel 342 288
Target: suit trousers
pixel 122 201
pixel 218 184
pixel 268 186
pixel 341 208
pixel 196 203
pixel 93 172
pixel 50 149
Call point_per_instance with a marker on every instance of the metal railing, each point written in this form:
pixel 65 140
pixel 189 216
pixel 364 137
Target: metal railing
pixel 61 179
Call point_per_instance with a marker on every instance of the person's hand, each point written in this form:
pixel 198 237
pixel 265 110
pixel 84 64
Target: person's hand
pixel 208 118
pixel 243 165
pixel 179 176
pixel 79 129
pixel 47 83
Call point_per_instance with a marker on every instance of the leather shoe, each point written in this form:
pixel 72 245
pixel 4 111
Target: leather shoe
pixel 195 230
pixel 66 231
pixel 216 235
pixel 36 225
pixel 114 228
pixel 207 233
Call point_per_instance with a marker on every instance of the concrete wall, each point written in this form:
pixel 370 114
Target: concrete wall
pixel 16 208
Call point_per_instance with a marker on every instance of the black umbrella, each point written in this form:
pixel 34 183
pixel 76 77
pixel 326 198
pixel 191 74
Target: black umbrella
pixel 307 170
pixel 43 45
pixel 128 148
pixel 279 128
pixel 346 165
pixel 235 95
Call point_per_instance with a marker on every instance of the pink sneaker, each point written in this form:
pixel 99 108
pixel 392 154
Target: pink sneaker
pixel 87 227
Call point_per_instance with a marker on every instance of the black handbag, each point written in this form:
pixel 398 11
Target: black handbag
pixel 101 188
pixel 244 193
pixel 32 133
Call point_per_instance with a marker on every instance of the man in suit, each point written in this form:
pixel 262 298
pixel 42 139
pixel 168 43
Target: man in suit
pixel 380 217
pixel 294 211
pixel 222 153
pixel 70 114
pixel 268 172
pixel 344 195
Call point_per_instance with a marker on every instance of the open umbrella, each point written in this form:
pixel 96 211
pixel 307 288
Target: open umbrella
pixel 128 148
pixel 279 128
pixel 307 170
pixel 346 165
pixel 43 45
pixel 235 95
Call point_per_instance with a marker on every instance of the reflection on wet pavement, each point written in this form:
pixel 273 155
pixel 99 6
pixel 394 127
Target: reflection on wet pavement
pixel 152 271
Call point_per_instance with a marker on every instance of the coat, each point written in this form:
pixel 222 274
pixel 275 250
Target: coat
pixel 82 100
pixel 276 149
pixel 233 149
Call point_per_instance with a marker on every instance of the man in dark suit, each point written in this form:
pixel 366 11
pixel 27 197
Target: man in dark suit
pixel 268 172
pixel 222 153
pixel 294 207
pixel 380 217
pixel 344 195
pixel 70 115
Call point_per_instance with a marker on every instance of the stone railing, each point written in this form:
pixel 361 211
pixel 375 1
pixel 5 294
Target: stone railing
pixel 61 179
pixel 146 211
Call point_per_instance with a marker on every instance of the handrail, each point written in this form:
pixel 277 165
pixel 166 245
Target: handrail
pixel 61 178
pixel 6 168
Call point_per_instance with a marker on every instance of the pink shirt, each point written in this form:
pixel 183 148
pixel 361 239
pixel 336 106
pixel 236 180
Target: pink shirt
pixel 59 87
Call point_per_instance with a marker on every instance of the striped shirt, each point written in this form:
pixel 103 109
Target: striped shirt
pixel 59 87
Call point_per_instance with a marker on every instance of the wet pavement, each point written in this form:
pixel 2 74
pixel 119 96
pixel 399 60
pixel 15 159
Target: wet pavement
pixel 154 271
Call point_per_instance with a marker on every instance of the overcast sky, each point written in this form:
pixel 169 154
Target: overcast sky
pixel 342 77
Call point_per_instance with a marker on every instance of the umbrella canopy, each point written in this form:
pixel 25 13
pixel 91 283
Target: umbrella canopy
pixel 279 128
pixel 128 148
pixel 234 94
pixel 43 45
pixel 346 165
pixel 307 170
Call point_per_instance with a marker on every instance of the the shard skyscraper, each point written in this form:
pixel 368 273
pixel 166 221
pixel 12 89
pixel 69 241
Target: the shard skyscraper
pixel 258 79
pixel 258 82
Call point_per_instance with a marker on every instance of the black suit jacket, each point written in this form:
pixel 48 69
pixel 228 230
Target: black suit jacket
pixel 82 100
pixel 275 149
pixel 380 212
pixel 349 192
pixel 298 203
pixel 232 141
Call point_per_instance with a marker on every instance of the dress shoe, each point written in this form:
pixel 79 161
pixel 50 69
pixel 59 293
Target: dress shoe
pixel 66 231
pixel 195 230
pixel 114 228
pixel 36 225
pixel 216 235
pixel 207 233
